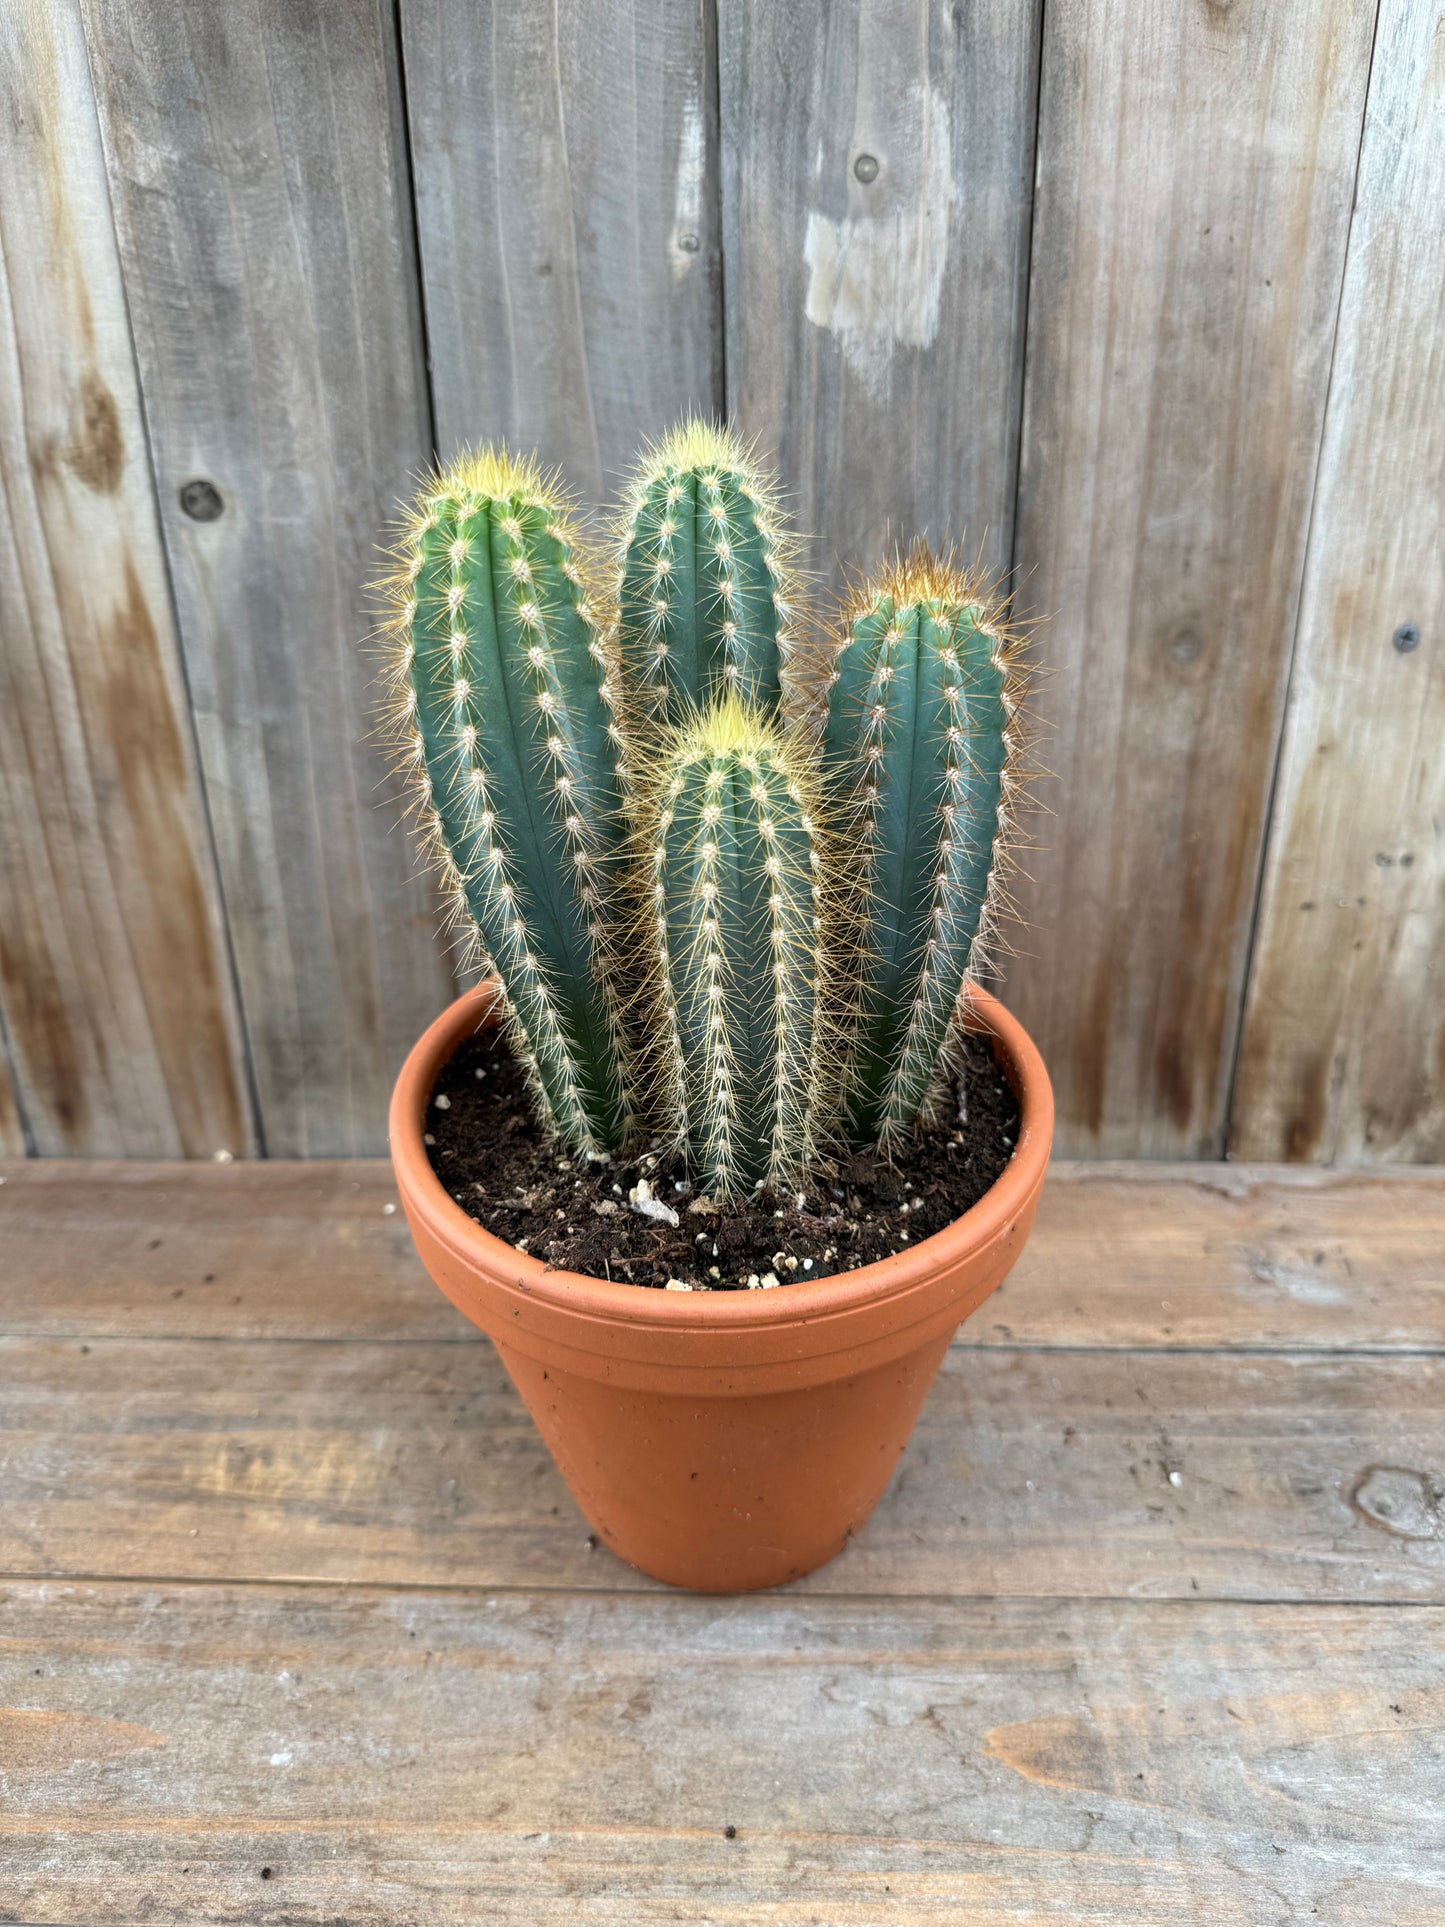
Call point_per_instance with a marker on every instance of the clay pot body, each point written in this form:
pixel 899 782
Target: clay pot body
pixel 723 1440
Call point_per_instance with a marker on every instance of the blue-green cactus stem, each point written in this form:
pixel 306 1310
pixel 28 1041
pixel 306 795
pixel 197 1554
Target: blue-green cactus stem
pixel 706 580
pixel 731 832
pixel 919 746
pixel 507 695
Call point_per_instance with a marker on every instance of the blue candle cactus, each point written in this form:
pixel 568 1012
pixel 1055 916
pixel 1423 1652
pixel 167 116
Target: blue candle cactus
pixel 506 700
pixel 733 886
pixel 743 947
pixel 920 740
pixel 706 591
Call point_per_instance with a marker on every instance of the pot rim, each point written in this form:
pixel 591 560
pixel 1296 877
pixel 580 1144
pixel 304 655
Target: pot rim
pixel 798 1301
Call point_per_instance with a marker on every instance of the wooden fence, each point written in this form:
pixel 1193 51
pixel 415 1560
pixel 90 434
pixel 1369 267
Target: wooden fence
pixel 1144 299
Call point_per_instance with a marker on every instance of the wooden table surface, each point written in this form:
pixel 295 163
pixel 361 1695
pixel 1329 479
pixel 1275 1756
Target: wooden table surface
pixel 298 1623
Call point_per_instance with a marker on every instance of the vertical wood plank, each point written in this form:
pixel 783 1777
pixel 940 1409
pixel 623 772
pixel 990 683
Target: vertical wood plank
pixel 1196 167
pixel 1343 1055
pixel 259 176
pixel 567 204
pixel 877 176
pixel 12 1130
pixel 114 985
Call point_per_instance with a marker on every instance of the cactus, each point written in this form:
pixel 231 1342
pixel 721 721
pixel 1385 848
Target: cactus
pixel 706 582
pixel 732 835
pixel 505 710
pixel 805 896
pixel 920 744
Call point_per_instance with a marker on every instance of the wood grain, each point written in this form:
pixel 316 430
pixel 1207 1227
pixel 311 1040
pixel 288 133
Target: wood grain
pixel 566 184
pixel 1228 1257
pixel 1044 1473
pixel 115 995
pixel 12 1130
pixel 1196 168
pixel 456 1757
pixel 1343 1055
pixel 875 325
pixel 258 174
pixel 266 1249
pixel 1044 1682
pixel 1139 1256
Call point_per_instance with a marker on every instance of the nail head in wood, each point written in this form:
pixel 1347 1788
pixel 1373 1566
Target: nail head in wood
pixel 201 500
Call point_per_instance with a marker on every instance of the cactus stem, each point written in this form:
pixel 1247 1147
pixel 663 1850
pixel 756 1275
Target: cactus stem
pixel 503 707
pixel 704 576
pixel 742 992
pixel 922 742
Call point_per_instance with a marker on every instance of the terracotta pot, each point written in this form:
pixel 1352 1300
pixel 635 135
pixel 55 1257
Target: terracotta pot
pixel 723 1440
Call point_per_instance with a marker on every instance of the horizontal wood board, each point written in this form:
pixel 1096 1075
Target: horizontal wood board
pixel 1136 1256
pixel 298 1622
pixel 1035 1472
pixel 231 1753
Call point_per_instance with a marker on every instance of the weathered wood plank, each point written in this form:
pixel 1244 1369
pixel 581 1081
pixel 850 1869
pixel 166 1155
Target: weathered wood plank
pixel 115 993
pixel 1196 168
pixel 1343 1055
pixel 1045 1473
pixel 526 1758
pixel 877 176
pixel 259 179
pixel 266 1249
pixel 12 1131
pixel 1228 1256
pixel 566 185
pixel 1144 1256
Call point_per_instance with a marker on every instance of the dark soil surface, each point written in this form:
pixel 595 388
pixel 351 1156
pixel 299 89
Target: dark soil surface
pixel 487 1149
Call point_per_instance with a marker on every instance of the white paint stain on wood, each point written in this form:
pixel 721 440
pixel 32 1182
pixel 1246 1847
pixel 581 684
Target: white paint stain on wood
pixel 875 276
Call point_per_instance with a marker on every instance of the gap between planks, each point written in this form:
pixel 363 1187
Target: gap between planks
pixel 527 1589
